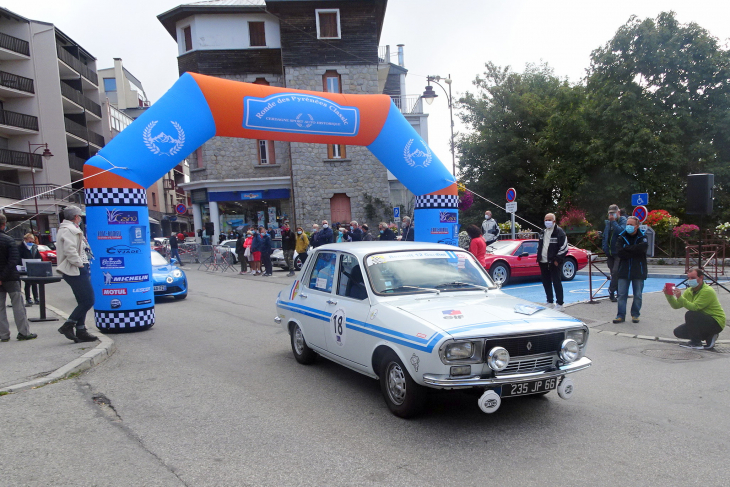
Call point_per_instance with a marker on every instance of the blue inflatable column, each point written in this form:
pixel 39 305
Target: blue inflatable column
pixel 436 219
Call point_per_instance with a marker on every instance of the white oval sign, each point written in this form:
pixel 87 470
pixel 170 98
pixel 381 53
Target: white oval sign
pixel 338 326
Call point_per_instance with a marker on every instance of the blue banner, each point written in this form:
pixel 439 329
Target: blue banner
pixel 437 225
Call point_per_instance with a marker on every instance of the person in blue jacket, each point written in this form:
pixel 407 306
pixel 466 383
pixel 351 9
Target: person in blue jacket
pixel 325 236
pixel 262 243
pixel 632 246
pixel 614 226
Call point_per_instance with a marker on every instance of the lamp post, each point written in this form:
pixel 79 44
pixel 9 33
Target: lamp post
pixel 46 155
pixel 429 95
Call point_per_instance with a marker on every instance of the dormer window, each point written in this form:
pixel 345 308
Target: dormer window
pixel 328 23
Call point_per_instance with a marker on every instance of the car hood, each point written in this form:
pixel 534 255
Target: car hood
pixel 473 314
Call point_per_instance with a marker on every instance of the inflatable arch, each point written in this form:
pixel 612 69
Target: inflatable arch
pixel 199 107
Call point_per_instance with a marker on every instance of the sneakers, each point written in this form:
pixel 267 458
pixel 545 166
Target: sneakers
pixel 67 330
pixel 28 304
pixel 613 298
pixel 266 275
pixel 549 305
pixel 559 307
pixel 35 301
pixel 29 336
pixel 694 344
pixel 711 342
pixel 241 273
pixel 5 340
pixel 634 319
pixel 291 273
pixel 618 319
pixel 84 336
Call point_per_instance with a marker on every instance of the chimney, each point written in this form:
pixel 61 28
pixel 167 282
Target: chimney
pixel 400 55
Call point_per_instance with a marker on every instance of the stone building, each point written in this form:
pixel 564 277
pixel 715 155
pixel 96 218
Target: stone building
pixel 312 45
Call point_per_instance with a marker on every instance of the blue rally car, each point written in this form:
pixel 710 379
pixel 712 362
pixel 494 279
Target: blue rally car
pixel 167 278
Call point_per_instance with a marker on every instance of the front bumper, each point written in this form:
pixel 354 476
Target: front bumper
pixel 447 381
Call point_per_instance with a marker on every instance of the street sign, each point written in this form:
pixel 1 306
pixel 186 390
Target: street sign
pixel 181 209
pixel 396 213
pixel 641 213
pixel 639 199
pixel 511 195
pixel 511 207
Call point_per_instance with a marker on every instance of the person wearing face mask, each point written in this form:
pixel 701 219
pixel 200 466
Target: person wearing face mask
pixel 240 251
pixel 248 251
pixel 325 236
pixel 613 227
pixel 705 318
pixel 385 232
pixel 490 229
pixel 632 246
pixel 73 263
pixel 265 249
pixel 10 285
pixel 288 243
pixel 552 247
pixel 29 250
pixel 408 233
pixel 302 245
pixel 366 235
pixel 355 231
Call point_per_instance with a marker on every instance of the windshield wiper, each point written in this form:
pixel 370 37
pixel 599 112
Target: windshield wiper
pixel 459 284
pixel 431 290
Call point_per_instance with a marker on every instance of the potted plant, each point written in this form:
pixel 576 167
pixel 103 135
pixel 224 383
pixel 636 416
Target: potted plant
pixel 686 231
pixel 574 221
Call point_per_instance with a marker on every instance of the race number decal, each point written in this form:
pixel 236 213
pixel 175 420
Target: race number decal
pixel 338 326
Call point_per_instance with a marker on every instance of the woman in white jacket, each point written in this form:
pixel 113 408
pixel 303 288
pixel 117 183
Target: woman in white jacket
pixel 73 263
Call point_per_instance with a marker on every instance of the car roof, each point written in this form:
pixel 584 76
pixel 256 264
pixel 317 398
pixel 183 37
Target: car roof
pixel 362 249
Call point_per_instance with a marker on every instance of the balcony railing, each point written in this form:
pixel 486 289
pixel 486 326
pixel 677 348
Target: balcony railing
pixel 20 159
pixel 51 192
pixel 80 131
pixel 14 44
pixel 383 54
pixel 76 163
pixel 16 82
pixel 9 190
pixel 409 104
pixel 76 64
pixel 15 119
pixel 79 98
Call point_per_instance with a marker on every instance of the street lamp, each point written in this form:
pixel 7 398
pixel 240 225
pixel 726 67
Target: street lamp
pixel 46 155
pixel 429 95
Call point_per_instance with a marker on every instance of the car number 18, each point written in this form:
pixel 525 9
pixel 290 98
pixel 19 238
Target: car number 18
pixel 338 326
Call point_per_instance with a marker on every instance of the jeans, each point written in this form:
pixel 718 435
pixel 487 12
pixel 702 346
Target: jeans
pixel 175 254
pixel 84 294
pixel 551 275
pixel 16 299
pixel 612 263
pixel 637 286
pixel 698 326
pixel 266 261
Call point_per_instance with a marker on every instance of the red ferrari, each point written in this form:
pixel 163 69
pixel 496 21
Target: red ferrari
pixel 47 254
pixel 518 258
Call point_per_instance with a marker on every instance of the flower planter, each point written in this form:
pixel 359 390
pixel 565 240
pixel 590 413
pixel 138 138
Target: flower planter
pixel 575 229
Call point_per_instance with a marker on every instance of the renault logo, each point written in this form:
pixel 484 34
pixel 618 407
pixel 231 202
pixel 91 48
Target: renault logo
pixel 529 345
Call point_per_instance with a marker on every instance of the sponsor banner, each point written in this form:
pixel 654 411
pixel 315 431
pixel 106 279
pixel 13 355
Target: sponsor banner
pixel 109 235
pixel 440 231
pixel 123 249
pixel 448 217
pixel 137 235
pixel 114 292
pixel 116 303
pixel 121 217
pixel 141 290
pixel 431 226
pixel 144 301
pixel 112 263
pixel 110 279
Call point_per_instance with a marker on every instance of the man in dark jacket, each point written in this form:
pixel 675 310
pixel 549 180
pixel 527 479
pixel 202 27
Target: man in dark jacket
pixel 10 284
pixel 613 227
pixel 355 231
pixel 29 250
pixel 385 232
pixel 408 232
pixel 551 251
pixel 288 244
pixel 174 250
pixel 240 251
pixel 325 236
pixel 632 246
pixel 366 235
pixel 262 243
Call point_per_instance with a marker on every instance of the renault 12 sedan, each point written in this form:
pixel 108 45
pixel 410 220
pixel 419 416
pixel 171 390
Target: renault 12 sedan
pixel 420 315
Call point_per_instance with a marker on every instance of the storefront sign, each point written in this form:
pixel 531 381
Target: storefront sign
pixel 252 195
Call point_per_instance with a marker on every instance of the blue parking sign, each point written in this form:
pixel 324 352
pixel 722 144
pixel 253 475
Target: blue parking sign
pixel 396 212
pixel 639 199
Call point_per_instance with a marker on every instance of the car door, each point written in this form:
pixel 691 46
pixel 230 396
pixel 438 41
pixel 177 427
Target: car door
pixel 312 303
pixel 349 310
pixel 527 265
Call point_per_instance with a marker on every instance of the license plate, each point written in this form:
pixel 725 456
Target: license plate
pixel 526 388
pixel 160 288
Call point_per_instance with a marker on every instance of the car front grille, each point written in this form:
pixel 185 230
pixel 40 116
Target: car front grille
pixel 170 289
pixel 531 364
pixel 527 345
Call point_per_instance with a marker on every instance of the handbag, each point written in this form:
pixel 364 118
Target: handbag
pixel 247 252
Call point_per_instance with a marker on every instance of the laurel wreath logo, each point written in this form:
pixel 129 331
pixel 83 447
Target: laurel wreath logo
pixel 409 156
pixel 151 142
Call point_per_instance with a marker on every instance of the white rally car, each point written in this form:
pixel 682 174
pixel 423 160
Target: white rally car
pixel 419 315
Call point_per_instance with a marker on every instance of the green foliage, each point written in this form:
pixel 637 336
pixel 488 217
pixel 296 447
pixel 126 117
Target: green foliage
pixel 376 210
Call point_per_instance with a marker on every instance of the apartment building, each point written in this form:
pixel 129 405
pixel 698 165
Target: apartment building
pixel 49 99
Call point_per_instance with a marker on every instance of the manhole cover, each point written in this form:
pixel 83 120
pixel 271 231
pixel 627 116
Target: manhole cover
pixel 673 354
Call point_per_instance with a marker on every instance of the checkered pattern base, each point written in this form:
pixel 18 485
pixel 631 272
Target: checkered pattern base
pixel 116 197
pixel 121 320
pixel 437 201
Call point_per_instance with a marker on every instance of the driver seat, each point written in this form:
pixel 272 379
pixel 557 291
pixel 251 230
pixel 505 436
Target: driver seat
pixel 356 285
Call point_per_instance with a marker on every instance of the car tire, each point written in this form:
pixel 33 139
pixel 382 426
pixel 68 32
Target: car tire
pixel 181 296
pixel 402 395
pixel 302 353
pixel 500 273
pixel 568 270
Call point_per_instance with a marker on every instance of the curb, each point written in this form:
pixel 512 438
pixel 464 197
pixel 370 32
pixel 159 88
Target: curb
pixel 91 358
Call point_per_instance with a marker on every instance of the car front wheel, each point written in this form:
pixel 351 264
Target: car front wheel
pixel 569 268
pixel 299 347
pixel 403 396
pixel 500 273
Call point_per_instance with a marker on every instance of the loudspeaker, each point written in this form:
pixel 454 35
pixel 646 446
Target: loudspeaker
pixel 699 194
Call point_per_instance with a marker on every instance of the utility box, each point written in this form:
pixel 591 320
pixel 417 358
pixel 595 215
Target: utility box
pixel 651 237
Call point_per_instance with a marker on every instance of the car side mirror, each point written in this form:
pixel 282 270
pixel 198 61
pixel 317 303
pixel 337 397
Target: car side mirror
pixel 525 254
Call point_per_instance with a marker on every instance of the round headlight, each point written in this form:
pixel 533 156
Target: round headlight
pixel 569 351
pixel 169 279
pixel 498 359
pixel 177 273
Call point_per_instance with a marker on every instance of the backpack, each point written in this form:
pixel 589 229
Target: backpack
pixel 464 240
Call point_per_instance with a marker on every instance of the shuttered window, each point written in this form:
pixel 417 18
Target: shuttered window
pixel 328 24
pixel 256 34
pixel 188 36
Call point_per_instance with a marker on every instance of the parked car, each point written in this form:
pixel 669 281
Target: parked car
pixel 47 254
pixel 160 245
pixel 167 278
pixel 230 253
pixel 419 315
pixel 277 260
pixel 507 259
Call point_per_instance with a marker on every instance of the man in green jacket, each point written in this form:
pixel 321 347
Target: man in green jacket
pixel 705 318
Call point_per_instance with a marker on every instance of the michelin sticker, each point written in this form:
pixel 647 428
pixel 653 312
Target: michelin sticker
pixel 338 326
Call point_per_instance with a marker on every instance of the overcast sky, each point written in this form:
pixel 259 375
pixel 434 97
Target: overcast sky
pixel 441 37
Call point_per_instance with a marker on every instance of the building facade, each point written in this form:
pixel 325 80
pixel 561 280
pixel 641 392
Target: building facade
pixel 49 94
pixel 320 45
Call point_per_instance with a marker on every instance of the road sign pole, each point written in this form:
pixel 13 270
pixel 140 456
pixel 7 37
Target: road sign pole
pixel 512 218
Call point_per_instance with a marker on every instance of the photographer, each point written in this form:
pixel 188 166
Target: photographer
pixel 614 225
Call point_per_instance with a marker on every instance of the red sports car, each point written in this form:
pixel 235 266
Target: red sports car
pixel 518 258
pixel 47 254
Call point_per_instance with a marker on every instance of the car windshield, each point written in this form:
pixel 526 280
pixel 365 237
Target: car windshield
pixel 411 272
pixel 43 248
pixel 502 247
pixel 158 259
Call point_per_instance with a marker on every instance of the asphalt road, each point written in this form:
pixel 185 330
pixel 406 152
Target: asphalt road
pixel 211 395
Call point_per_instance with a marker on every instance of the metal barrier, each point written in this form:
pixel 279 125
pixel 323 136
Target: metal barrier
pixel 214 258
pixel 593 264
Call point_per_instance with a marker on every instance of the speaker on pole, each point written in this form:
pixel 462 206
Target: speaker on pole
pixel 699 194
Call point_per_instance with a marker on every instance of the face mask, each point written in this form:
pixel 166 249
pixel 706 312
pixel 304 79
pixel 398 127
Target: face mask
pixel 325 226
pixel 29 244
pixel 692 283
pixel 548 224
pixel 351 227
pixel 487 217
pixel 381 231
pixel 629 229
